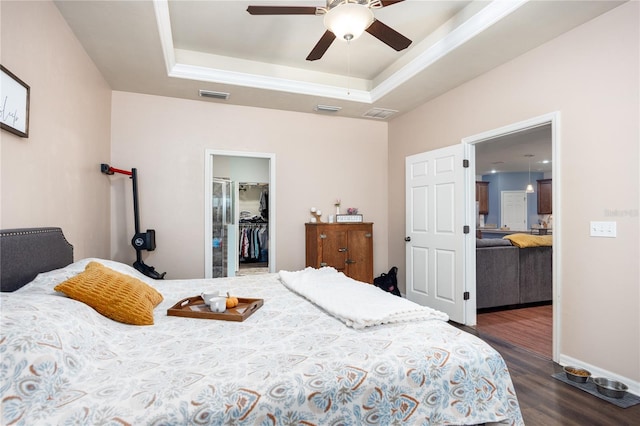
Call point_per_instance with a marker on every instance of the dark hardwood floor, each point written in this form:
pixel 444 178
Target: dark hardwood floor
pixel 545 401
pixel 529 327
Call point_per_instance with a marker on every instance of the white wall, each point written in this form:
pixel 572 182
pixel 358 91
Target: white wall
pixel 318 159
pixel 241 169
pixel 53 177
pixel 590 75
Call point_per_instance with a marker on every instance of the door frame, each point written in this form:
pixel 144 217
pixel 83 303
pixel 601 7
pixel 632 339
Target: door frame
pixel 469 143
pixel 208 175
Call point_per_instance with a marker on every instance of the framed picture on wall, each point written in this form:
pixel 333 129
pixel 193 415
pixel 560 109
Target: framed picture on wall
pixel 14 104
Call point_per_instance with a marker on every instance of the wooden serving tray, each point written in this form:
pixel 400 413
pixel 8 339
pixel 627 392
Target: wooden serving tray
pixel 194 307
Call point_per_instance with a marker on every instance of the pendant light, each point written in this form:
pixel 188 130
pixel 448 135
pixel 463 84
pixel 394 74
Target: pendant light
pixel 529 189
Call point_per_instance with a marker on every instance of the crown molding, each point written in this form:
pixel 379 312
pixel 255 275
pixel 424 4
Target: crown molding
pixel 476 24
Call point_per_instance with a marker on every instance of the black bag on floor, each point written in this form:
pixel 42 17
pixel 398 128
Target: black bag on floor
pixel 388 282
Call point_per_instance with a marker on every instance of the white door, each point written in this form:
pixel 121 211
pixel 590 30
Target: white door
pixel 513 205
pixel 435 212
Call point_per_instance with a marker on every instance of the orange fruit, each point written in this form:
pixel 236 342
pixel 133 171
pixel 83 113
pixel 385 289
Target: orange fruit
pixel 232 302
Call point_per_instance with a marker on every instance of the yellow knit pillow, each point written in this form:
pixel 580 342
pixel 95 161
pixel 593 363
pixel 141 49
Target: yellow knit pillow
pixel 117 296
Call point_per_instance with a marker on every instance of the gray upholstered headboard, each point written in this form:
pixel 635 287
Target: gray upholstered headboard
pixel 24 253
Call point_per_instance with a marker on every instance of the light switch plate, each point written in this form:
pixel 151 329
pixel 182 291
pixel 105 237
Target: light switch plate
pixel 602 229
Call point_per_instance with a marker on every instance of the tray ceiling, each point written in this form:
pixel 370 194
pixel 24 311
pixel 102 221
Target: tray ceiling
pixel 177 48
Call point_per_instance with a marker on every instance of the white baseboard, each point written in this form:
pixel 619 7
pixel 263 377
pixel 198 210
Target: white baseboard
pixel 634 386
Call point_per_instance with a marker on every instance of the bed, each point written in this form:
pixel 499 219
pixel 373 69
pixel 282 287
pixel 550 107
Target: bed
pixel 289 363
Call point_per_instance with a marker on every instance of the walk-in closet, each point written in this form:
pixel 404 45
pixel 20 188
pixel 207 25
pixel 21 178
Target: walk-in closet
pixel 253 228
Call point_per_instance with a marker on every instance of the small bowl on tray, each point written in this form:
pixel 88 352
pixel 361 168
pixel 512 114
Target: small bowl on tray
pixel 610 388
pixel 576 374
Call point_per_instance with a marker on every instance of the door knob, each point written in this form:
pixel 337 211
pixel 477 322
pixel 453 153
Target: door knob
pixel 407 239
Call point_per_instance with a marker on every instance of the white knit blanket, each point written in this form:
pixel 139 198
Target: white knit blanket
pixel 355 303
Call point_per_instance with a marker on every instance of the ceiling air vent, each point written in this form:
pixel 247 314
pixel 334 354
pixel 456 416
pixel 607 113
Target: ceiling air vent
pixel 379 113
pixel 327 108
pixel 214 95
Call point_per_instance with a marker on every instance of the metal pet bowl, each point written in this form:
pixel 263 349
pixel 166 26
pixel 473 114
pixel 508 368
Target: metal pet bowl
pixel 576 374
pixel 611 388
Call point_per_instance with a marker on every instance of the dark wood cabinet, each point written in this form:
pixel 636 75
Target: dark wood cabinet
pixel 545 200
pixel 348 247
pixel 482 196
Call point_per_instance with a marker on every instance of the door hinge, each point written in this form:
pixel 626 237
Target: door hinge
pixel 368 235
pixel 465 163
pixel 465 229
pixel 323 236
pixel 466 295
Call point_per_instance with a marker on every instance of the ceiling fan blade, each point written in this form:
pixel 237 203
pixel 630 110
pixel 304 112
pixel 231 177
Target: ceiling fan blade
pixel 281 10
pixel 322 46
pixel 388 35
pixel 386 3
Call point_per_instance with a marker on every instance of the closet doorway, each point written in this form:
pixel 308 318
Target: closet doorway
pixel 239 213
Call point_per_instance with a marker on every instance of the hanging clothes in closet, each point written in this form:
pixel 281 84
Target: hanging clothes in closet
pixel 254 242
pixel 253 230
pixel 264 203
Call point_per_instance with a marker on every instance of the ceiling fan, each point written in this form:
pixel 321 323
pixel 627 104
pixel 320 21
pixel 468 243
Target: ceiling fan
pixel 345 19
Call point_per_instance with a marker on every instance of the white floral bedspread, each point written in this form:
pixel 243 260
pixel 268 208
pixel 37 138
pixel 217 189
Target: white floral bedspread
pixel 288 364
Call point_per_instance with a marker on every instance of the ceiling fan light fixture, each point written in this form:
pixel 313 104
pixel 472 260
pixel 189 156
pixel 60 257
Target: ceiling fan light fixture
pixel 348 21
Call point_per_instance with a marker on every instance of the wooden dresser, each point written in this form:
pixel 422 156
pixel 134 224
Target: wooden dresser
pixel 348 247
